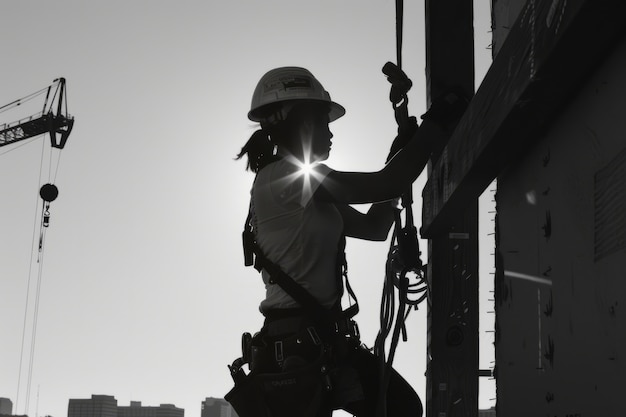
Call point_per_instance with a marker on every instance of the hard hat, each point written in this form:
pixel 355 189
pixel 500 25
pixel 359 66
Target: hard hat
pixel 279 89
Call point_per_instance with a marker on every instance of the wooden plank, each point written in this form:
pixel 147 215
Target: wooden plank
pixel 551 49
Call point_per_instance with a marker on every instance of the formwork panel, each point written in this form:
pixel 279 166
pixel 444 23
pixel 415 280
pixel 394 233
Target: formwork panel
pixel 560 270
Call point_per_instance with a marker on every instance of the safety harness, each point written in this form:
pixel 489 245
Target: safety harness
pixel 253 256
pixel 271 392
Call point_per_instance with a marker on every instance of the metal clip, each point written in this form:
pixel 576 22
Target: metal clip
pixel 327 379
pixel 278 351
pixel 246 346
pixel 355 329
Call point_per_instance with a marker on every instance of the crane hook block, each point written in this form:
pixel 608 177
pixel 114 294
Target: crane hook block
pixel 49 192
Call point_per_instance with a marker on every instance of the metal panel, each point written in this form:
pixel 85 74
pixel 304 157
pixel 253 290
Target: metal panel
pixel 560 287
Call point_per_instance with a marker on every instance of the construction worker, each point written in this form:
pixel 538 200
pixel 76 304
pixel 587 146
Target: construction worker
pixel 299 212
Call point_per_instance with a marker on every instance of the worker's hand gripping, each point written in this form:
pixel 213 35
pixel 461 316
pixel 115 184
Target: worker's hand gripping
pixel 400 86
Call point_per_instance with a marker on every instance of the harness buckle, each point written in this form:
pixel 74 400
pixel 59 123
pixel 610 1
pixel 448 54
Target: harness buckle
pixel 355 329
pixel 278 351
pixel 348 328
pixel 246 347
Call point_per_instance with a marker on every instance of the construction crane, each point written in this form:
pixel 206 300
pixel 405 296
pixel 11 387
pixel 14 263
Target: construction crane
pixel 53 118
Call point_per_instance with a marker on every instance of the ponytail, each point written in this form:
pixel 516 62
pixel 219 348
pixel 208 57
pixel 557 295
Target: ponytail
pixel 278 129
pixel 259 149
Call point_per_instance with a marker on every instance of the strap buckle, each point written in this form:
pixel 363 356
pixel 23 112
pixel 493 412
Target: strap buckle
pixel 278 351
pixel 348 328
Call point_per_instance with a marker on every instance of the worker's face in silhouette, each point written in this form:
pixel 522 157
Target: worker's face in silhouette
pixel 316 136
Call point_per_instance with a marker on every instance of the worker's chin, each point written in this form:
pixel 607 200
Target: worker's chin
pixel 321 156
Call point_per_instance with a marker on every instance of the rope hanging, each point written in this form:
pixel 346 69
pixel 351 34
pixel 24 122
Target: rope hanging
pixel 399 29
pixel 403 262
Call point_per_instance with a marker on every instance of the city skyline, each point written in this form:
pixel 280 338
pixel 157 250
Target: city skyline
pixel 104 405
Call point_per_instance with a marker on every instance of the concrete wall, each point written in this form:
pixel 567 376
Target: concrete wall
pixel 561 256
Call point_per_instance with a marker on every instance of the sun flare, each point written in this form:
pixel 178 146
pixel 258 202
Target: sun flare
pixel 305 168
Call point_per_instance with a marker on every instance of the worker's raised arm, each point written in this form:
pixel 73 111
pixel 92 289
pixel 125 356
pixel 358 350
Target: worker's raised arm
pixel 391 181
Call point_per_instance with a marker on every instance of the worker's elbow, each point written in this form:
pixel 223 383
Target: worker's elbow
pixel 380 237
pixel 374 234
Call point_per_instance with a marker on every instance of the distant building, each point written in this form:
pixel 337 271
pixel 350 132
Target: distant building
pixel 137 410
pixel 96 406
pixel 217 407
pixel 106 406
pixel 6 406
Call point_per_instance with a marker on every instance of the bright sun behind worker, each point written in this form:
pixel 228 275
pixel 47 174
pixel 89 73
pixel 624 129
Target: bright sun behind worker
pixel 306 168
pixel 305 173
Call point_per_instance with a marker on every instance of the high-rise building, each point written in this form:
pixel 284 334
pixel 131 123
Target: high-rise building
pixel 96 406
pixel 137 410
pixel 6 406
pixel 106 406
pixel 217 407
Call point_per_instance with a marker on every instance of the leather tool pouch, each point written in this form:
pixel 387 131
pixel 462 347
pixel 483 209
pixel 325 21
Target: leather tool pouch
pixel 301 391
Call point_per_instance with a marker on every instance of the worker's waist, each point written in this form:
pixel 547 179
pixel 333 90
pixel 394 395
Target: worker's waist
pixel 293 320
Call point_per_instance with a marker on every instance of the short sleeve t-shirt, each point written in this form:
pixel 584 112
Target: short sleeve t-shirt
pixel 295 232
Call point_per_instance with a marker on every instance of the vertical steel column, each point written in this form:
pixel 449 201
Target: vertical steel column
pixel 452 372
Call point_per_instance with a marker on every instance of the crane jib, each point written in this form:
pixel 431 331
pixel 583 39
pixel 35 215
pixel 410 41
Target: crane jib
pixel 58 124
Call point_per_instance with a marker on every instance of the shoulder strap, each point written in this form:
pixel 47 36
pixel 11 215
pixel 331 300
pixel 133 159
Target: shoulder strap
pixel 291 287
pixel 254 256
pixel 342 275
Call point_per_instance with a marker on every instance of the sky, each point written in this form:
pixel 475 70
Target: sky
pixel 142 290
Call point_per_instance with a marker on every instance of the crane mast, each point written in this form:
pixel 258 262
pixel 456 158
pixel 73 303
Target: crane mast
pixel 55 121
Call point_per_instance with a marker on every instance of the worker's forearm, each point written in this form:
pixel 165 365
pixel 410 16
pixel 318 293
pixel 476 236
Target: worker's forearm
pixel 390 182
pixel 406 165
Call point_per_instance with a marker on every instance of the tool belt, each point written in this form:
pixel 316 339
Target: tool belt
pixel 297 337
pixel 302 391
pixel 292 367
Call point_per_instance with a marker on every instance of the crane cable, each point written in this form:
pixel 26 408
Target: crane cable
pixel 403 260
pixel 24 99
pixel 32 96
pixel 48 193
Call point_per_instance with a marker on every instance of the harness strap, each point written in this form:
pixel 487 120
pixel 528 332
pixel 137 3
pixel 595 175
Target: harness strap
pixel 291 287
pixel 253 255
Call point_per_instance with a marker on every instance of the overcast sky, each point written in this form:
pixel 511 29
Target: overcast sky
pixel 143 291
